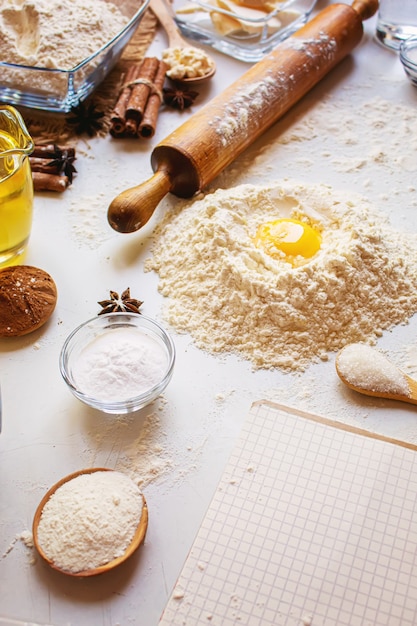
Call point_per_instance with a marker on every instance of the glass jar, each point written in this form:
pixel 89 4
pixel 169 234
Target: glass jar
pixel 16 187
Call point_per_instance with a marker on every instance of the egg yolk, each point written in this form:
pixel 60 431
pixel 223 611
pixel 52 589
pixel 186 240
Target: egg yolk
pixel 288 238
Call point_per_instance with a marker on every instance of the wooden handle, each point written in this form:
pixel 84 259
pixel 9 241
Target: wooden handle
pixel 196 152
pixel 161 11
pixel 365 8
pixel 131 209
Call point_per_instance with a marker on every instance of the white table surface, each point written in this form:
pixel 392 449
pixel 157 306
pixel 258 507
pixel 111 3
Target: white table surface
pixel 186 435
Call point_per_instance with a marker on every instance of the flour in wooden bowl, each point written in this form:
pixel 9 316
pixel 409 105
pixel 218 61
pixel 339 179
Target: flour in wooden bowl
pixel 233 297
pixel 90 521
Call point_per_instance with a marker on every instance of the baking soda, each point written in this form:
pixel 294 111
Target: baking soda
pixel 119 365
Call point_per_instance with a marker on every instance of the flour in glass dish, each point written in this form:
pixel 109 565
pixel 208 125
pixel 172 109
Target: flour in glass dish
pixel 232 297
pixel 54 35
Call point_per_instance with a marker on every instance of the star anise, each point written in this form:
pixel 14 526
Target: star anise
pixel 121 304
pixel 64 162
pixel 178 98
pixel 85 119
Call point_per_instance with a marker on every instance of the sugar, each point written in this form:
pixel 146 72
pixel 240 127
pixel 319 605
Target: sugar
pixel 368 369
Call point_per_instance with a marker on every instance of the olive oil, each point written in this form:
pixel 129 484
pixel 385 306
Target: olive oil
pixel 16 201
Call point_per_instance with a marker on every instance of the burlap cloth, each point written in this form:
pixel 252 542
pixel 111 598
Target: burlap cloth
pixel 46 127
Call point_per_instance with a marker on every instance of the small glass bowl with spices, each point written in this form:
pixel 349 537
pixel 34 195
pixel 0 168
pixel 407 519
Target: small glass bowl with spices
pixel 118 362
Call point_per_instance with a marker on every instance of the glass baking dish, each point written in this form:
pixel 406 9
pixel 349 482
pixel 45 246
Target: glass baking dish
pixel 59 90
pixel 243 29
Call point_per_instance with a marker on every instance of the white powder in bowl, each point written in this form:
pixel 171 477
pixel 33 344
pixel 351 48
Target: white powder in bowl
pixel 120 364
pixel 368 369
pixel 90 520
pixel 233 297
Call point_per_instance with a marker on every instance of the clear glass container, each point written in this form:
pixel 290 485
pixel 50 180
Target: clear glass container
pixel 408 56
pixel 59 90
pixel 243 32
pixel 16 187
pixel 108 326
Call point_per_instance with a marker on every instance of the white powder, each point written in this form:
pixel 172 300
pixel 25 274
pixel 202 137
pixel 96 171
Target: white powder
pixel 53 35
pixel 232 297
pixel 90 520
pixel 322 45
pixel 120 364
pixel 56 34
pixel 368 369
pixel 358 139
pixel 240 111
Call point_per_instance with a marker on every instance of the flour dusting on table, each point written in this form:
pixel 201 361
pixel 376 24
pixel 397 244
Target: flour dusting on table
pixel 233 297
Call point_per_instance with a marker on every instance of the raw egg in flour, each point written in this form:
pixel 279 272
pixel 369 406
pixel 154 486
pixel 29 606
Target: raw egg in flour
pixel 287 239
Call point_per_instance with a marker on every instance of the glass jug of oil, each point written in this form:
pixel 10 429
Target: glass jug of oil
pixel 16 186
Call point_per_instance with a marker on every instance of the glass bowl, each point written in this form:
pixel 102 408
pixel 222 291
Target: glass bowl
pixel 117 362
pixel 243 33
pixel 59 90
pixel 408 56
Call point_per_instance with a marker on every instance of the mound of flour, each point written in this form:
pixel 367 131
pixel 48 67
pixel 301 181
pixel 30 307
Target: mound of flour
pixel 233 297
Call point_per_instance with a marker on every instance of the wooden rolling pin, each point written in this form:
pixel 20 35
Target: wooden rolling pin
pixel 198 150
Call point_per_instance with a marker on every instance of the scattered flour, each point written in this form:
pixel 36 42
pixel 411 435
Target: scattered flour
pixel 88 226
pixel 26 538
pixel 147 458
pixel 333 142
pixel 90 520
pixel 233 297
pixel 365 134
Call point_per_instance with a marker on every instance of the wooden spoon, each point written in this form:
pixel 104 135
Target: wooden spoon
pixel 161 11
pixel 137 540
pixel 369 372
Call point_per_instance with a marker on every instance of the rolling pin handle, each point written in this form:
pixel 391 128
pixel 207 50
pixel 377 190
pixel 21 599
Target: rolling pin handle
pixel 365 8
pixel 132 208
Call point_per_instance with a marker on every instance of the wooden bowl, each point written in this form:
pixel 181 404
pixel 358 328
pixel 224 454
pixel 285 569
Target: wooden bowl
pixel 137 540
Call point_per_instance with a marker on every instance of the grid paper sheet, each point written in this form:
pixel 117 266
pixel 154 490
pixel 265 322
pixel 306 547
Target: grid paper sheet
pixel 312 524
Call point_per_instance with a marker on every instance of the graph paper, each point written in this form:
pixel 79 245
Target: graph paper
pixel 313 524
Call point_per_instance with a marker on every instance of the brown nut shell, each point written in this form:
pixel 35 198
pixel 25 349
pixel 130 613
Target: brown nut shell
pixel 28 297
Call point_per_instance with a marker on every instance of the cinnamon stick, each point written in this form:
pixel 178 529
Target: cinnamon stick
pixel 52 151
pixel 49 182
pixel 46 165
pixel 117 119
pixel 131 128
pixel 141 90
pixel 148 124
